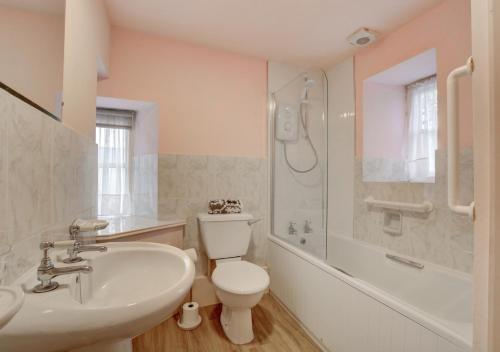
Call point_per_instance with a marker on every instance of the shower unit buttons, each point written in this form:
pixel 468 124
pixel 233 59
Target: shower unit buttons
pixel 287 124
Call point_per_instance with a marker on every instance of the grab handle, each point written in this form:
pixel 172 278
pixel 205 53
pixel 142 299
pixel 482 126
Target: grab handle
pixel 404 261
pixel 453 143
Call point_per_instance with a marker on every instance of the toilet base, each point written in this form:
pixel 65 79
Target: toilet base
pixel 237 324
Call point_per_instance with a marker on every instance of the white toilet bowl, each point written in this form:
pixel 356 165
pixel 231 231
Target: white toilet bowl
pixel 239 286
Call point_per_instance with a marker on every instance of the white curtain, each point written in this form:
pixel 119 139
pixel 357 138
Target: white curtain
pixel 422 129
pixel 114 170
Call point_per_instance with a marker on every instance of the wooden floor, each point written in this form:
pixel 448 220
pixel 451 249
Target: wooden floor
pixel 275 331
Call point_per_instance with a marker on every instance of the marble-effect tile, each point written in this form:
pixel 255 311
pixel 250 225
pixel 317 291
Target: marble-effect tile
pixel 48 177
pixel 186 183
pixel 145 185
pixel 440 237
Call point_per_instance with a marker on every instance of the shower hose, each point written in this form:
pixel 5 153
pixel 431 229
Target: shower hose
pixel 303 118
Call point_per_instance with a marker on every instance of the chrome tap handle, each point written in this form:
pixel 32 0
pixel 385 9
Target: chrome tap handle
pixel 46 270
pixel 307 226
pixel 46 262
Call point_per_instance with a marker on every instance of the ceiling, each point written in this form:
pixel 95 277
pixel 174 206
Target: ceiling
pixel 304 32
pixel 46 6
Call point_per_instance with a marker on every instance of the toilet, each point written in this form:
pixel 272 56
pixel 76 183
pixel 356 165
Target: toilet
pixel 239 284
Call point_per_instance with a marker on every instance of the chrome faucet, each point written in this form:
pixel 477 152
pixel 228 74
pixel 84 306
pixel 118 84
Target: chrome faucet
pixel 75 229
pixel 307 227
pixel 291 228
pixel 78 248
pixel 46 270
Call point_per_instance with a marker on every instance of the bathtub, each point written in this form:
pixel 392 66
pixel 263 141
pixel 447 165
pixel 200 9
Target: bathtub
pixel 314 244
pixel 364 302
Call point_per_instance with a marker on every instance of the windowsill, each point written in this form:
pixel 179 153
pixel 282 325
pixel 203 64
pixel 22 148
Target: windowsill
pixel 123 226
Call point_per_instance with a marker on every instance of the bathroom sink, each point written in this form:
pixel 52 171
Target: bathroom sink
pixel 11 300
pixel 133 287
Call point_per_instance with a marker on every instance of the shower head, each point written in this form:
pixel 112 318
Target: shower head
pixel 308 83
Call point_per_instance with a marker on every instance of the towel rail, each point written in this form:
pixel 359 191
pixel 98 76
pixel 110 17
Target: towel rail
pixel 425 207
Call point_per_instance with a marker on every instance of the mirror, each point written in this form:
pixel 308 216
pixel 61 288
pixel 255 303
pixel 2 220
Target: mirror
pixel 400 110
pixel 32 42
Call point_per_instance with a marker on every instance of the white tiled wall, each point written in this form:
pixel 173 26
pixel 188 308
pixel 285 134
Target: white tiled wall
pixel 341 148
pixel 48 176
pixel 341 317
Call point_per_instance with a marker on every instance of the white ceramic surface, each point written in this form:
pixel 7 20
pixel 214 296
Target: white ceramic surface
pixel 133 287
pixel 240 277
pixel 225 235
pixel 11 300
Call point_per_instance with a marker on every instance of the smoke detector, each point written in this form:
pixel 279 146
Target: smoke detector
pixel 362 37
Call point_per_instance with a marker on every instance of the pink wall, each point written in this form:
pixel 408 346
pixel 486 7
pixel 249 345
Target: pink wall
pixel 86 42
pixel 447 28
pixel 31 61
pixel 387 110
pixel 210 101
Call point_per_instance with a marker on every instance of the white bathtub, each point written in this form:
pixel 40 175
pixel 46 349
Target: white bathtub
pixel 314 244
pixel 385 306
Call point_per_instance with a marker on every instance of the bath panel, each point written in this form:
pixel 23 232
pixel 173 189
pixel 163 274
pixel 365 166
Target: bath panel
pixel 347 314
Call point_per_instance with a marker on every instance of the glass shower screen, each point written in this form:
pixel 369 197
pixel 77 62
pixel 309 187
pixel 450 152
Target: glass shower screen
pixel 299 162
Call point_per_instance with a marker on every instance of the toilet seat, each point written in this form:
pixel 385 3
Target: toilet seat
pixel 240 277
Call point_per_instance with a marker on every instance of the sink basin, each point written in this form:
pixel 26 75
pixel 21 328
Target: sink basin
pixel 11 300
pixel 133 287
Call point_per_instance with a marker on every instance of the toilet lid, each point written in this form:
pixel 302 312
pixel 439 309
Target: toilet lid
pixel 240 277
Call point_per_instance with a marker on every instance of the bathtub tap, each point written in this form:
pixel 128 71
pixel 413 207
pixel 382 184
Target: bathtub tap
pixel 307 227
pixel 291 228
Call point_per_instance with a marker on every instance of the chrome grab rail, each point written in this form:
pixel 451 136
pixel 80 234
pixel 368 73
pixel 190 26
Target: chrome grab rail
pixel 405 261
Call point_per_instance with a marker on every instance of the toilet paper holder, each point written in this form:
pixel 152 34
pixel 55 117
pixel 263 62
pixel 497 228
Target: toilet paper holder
pixel 190 318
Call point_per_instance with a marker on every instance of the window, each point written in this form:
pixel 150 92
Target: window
pixel 422 129
pixel 113 131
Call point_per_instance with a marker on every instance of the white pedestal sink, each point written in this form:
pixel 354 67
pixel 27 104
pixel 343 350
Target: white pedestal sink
pixel 133 287
pixel 11 300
